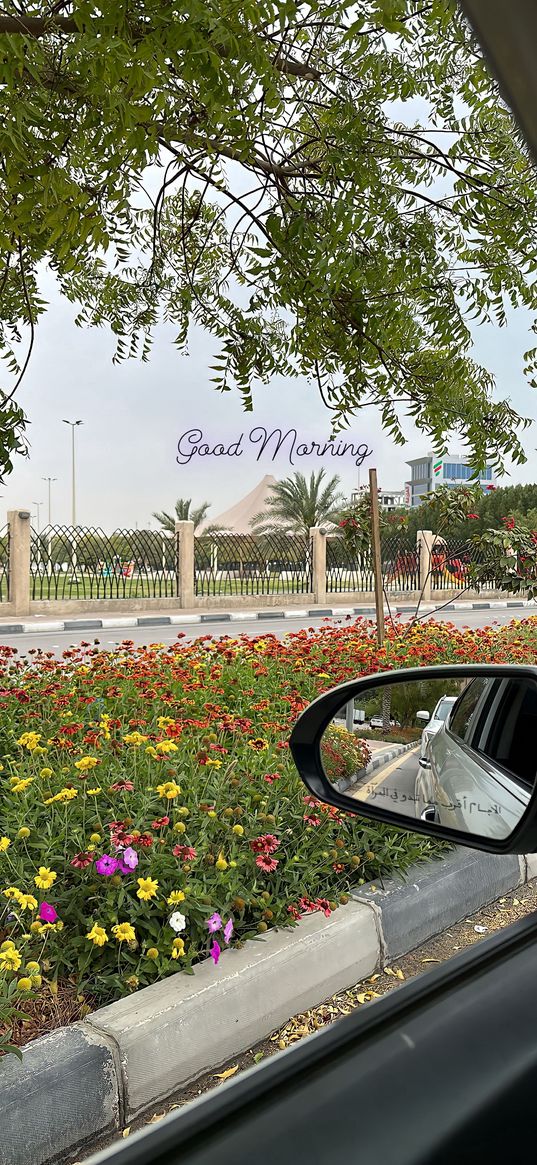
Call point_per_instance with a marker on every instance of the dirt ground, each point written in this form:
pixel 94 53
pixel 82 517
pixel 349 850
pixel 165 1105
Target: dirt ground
pixel 499 914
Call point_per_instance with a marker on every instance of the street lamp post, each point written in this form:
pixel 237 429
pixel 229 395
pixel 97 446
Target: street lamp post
pixel 49 480
pixel 73 425
pixel 38 507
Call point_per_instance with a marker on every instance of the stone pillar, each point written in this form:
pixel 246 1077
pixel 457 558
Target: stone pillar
pixel 318 545
pixel 19 561
pixel 424 540
pixel 184 536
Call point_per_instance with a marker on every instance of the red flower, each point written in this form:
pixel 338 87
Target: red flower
pixel 292 910
pixel 509 523
pixel 473 515
pixel 266 844
pixel 266 864
pixel 271 777
pixel 122 787
pixel 186 852
pixel 81 860
pixel 160 822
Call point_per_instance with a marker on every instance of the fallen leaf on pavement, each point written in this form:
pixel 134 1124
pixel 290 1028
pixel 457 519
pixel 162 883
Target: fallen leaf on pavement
pixel 126 1131
pixel 228 1072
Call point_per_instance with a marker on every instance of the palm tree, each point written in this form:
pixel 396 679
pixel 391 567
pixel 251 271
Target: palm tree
pixel 296 504
pixel 183 513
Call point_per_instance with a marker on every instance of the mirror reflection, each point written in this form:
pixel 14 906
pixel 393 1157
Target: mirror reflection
pixel 458 753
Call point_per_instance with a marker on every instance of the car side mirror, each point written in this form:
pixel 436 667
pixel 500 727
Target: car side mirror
pixel 478 785
pixel 423 715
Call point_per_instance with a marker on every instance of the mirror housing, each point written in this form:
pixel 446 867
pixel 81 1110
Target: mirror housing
pixel 423 715
pixel 305 746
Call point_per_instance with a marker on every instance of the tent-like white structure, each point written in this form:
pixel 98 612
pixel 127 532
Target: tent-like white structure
pixel 237 519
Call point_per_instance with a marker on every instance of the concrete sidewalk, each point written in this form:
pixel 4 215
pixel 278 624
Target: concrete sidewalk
pixel 28 623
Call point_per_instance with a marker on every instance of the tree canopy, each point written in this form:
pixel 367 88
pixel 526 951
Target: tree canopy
pixel 340 192
pixel 296 505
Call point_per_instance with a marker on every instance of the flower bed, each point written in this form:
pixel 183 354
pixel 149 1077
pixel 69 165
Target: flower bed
pixel 151 813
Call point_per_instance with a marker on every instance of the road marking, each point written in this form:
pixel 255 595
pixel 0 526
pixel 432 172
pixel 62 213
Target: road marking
pixel 370 786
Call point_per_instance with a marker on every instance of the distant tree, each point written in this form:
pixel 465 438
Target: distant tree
pixel 184 513
pixel 297 504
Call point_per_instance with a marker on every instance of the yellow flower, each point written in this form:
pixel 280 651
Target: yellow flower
pixel 44 878
pixel 211 813
pixel 95 837
pixel 36 926
pixel 57 925
pixel 216 764
pixel 24 984
pixel 124 932
pixel 135 738
pixel 178 948
pixel 93 792
pixel 33 968
pixel 220 862
pixel 175 898
pixel 164 722
pixel 5 842
pixel 97 935
pixel 10 960
pixel 165 746
pixel 152 953
pixel 24 832
pixel 132 982
pixel 39 749
pixel 36 980
pixel 45 773
pixel 66 795
pixel 27 902
pixel 8 945
pixel 183 811
pixel 151 751
pixel 169 790
pixel 147 888
pixel 29 740
pixel 238 829
pixel 180 827
pixel 12 892
pixel 85 763
pixel 21 786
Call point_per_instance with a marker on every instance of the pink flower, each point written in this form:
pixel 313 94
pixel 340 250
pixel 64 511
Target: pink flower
pixel 228 929
pixel 186 852
pixel 266 844
pixel 271 777
pixel 473 515
pixel 266 864
pixel 106 865
pixel 215 952
pixel 214 922
pixel 130 857
pixel 47 912
pixel 81 860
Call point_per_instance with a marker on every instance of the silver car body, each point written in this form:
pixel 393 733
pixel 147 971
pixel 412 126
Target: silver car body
pixel 463 788
pixel 434 725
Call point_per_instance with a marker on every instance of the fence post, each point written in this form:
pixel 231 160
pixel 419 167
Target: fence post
pixel 424 541
pixel 19 561
pixel 184 536
pixel 318 546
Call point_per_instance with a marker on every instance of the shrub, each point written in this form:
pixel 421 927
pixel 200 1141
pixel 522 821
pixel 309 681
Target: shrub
pixel 149 800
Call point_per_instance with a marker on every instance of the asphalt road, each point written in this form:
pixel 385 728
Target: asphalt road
pixel 392 785
pixel 58 641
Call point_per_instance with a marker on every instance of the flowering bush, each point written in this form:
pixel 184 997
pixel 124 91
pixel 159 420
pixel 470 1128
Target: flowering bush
pixel 343 753
pixel 151 813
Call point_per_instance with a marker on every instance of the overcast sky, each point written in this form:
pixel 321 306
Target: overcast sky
pixel 134 415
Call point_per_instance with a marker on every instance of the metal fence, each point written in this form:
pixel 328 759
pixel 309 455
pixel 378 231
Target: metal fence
pixel 252 564
pixel 348 572
pixel 4 564
pixel 86 563
pixel 451 564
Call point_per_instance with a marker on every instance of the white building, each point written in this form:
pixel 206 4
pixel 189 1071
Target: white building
pixel 389 499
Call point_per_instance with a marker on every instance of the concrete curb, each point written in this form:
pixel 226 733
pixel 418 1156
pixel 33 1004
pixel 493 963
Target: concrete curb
pixel 217 616
pixel 79 1083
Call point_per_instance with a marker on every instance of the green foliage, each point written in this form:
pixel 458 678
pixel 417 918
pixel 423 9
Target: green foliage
pixel 306 226
pixel 296 505
pixel 183 513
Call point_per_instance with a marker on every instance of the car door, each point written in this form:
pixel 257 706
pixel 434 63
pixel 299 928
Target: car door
pixel 471 788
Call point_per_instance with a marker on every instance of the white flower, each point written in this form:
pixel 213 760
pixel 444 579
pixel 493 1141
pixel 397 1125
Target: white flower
pixel 177 921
